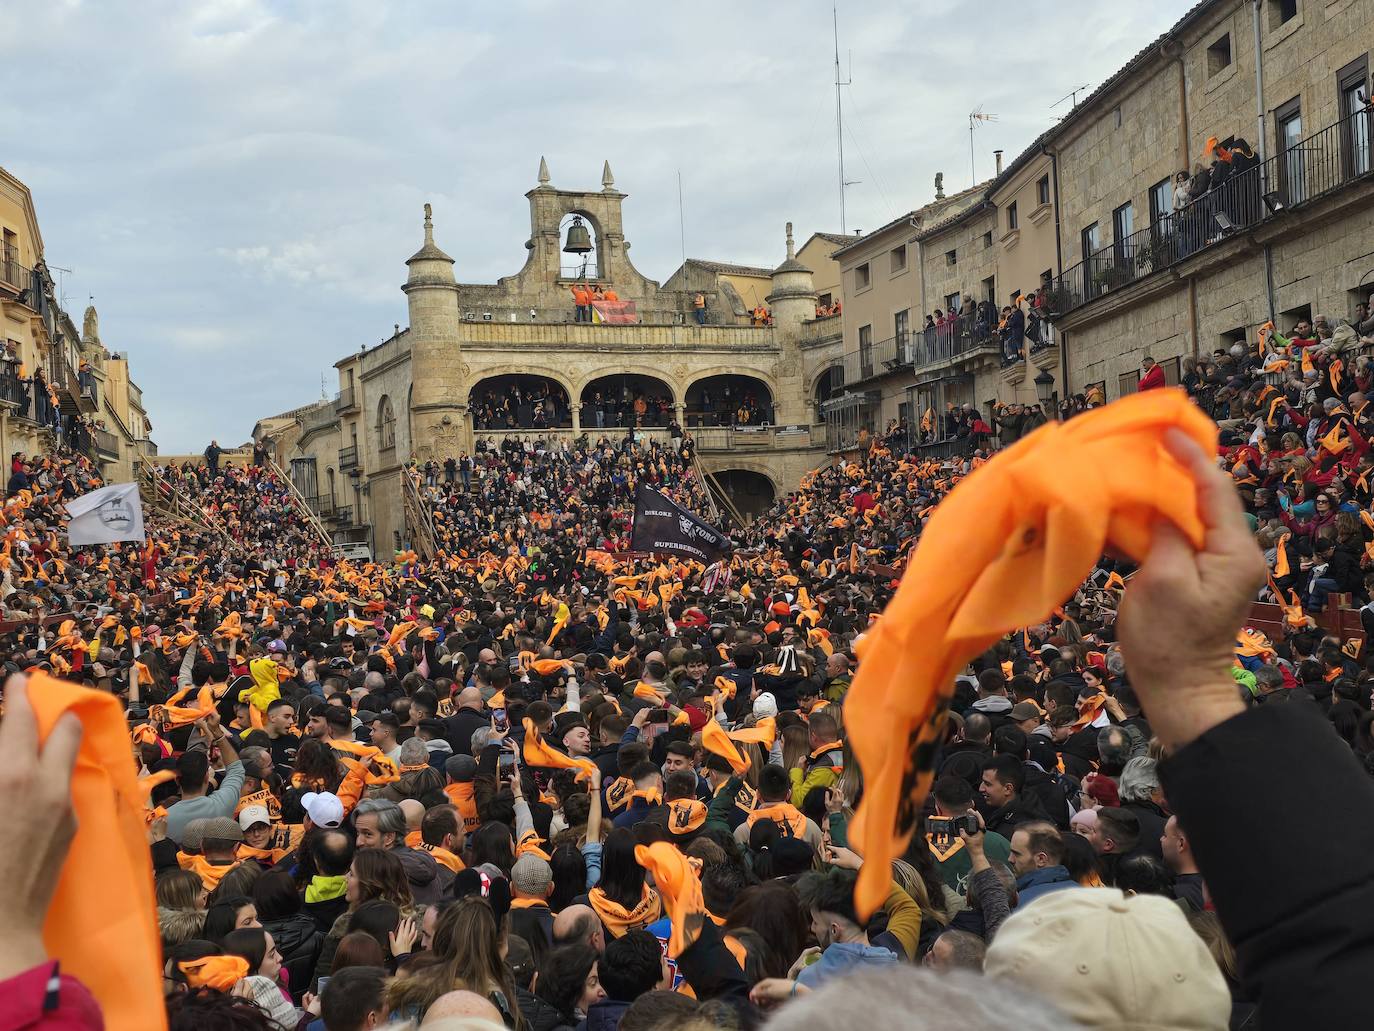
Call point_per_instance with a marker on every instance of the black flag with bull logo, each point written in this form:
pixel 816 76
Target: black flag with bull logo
pixel 663 527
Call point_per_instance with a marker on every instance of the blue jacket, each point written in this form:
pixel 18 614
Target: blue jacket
pixel 1030 886
pixel 844 958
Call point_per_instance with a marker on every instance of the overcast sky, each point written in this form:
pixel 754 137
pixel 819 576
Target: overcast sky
pixel 238 182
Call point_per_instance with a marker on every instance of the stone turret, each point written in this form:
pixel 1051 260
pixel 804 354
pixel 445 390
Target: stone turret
pixel 90 328
pixel 792 299
pixel 435 348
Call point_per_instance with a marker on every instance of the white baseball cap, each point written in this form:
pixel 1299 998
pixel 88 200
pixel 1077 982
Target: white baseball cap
pixel 251 815
pixel 1107 959
pixel 323 808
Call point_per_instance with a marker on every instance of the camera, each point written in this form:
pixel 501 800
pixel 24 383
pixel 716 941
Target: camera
pixel 946 828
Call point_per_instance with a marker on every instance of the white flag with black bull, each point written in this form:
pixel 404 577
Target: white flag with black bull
pixel 105 516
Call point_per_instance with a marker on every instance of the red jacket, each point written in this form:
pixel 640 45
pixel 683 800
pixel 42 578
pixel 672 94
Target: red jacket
pixel 1153 379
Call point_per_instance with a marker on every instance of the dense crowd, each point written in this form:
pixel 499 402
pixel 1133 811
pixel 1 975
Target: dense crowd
pixel 540 781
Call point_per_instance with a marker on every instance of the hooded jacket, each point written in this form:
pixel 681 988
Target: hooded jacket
pixel 538 1014
pixel 1021 809
pixel 1030 886
pixel 844 958
pixel 428 880
pixel 604 1015
pixel 298 940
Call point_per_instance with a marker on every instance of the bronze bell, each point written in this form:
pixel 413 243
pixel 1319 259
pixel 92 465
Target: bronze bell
pixel 579 239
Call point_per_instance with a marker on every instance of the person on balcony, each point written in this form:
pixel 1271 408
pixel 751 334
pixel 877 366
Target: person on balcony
pixel 1151 375
pixel 699 303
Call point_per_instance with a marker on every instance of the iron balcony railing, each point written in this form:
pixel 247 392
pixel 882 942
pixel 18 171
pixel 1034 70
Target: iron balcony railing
pixel 1296 175
pixel 935 344
pixel 345 400
pixel 13 274
pixel 348 457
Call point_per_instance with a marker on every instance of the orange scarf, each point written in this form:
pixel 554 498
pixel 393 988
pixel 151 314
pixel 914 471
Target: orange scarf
pixel 101 923
pixel 460 794
pixel 649 694
pixel 618 793
pixel 715 740
pixel 787 816
pixel 539 754
pixel 441 855
pixel 681 890
pixel 210 874
pixel 763 732
pixel 218 972
pixel 685 815
pixel 1026 537
pixel 620 921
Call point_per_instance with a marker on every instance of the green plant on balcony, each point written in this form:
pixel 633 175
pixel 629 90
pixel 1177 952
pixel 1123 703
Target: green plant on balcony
pixel 1058 300
pixel 1155 255
pixel 1109 277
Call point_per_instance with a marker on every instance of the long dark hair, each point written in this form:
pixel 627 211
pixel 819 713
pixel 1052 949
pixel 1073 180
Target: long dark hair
pixel 248 942
pixel 569 876
pixel 492 844
pixel 622 878
pixel 221 917
pixel 774 911
pixel 562 976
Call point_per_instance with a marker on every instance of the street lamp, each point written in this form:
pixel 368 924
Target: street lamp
pixel 1044 388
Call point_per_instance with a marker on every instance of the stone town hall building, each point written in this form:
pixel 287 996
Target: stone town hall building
pixel 424 392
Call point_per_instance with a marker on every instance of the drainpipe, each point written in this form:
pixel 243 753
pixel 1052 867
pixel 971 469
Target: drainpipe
pixel 1192 316
pixel 1262 151
pixel 1059 269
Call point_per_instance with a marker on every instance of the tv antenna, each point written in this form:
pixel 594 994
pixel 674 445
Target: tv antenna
pixel 839 114
pixel 975 116
pixel 1071 95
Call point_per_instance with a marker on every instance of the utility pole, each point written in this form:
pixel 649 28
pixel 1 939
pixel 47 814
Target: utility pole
pixel 839 114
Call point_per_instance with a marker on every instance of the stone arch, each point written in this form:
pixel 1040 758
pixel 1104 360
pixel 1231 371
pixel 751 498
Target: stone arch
pixel 622 398
pixel 658 372
pixel 570 264
pixel 751 486
pixel 386 423
pixel 697 375
pixel 730 397
pixel 826 383
pixel 517 365
pixel 519 401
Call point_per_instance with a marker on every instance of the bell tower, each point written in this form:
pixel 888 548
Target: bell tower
pixel 439 398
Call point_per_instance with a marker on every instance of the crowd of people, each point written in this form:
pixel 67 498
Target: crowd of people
pixel 541 781
pixel 1015 327
pixel 521 407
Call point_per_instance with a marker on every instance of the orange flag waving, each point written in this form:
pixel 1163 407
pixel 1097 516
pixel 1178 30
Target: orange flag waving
pixel 680 889
pixel 539 754
pixel 101 924
pixel 714 739
pixel 1027 539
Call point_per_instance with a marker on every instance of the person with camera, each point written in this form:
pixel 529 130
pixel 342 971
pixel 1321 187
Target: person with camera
pixel 947 830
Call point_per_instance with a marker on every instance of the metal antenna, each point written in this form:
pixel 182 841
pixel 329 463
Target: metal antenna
pixel 1071 95
pixel 839 112
pixel 974 117
pixel 681 218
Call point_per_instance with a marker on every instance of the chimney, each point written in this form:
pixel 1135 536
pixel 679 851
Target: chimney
pixel 997 154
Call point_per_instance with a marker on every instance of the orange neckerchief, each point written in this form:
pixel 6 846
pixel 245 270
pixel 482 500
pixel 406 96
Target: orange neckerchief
pixel 1025 538
pixel 218 972
pixel 618 793
pixel 685 815
pixel 787 816
pixel 460 794
pixel 649 694
pixel 441 855
pixel 680 887
pixel 210 874
pixel 528 904
pixel 1089 709
pixel 619 920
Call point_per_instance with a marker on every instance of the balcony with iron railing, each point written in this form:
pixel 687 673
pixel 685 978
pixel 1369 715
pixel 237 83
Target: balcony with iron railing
pixel 325 417
pixel 348 457
pixel 106 443
pixel 345 401
pixel 14 277
pixel 1330 159
pixel 962 337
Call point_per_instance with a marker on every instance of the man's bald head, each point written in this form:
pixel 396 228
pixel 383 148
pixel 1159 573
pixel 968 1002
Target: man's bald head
pixel 470 698
pixel 578 925
pixel 486 655
pixel 456 1009
pixel 414 812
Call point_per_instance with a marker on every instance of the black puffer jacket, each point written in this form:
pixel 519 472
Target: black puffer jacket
pixel 538 1014
pixel 298 940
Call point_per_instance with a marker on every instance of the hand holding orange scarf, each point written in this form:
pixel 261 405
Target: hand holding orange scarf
pixel 1026 537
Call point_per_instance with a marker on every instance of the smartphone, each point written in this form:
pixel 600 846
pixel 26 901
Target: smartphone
pixel 513 663
pixel 506 762
pixel 658 716
pixel 499 721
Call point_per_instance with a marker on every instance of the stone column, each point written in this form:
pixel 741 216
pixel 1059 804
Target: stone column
pixel 577 419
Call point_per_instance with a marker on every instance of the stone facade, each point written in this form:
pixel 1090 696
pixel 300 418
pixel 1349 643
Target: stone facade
pixel 36 334
pixel 413 396
pixel 1153 119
